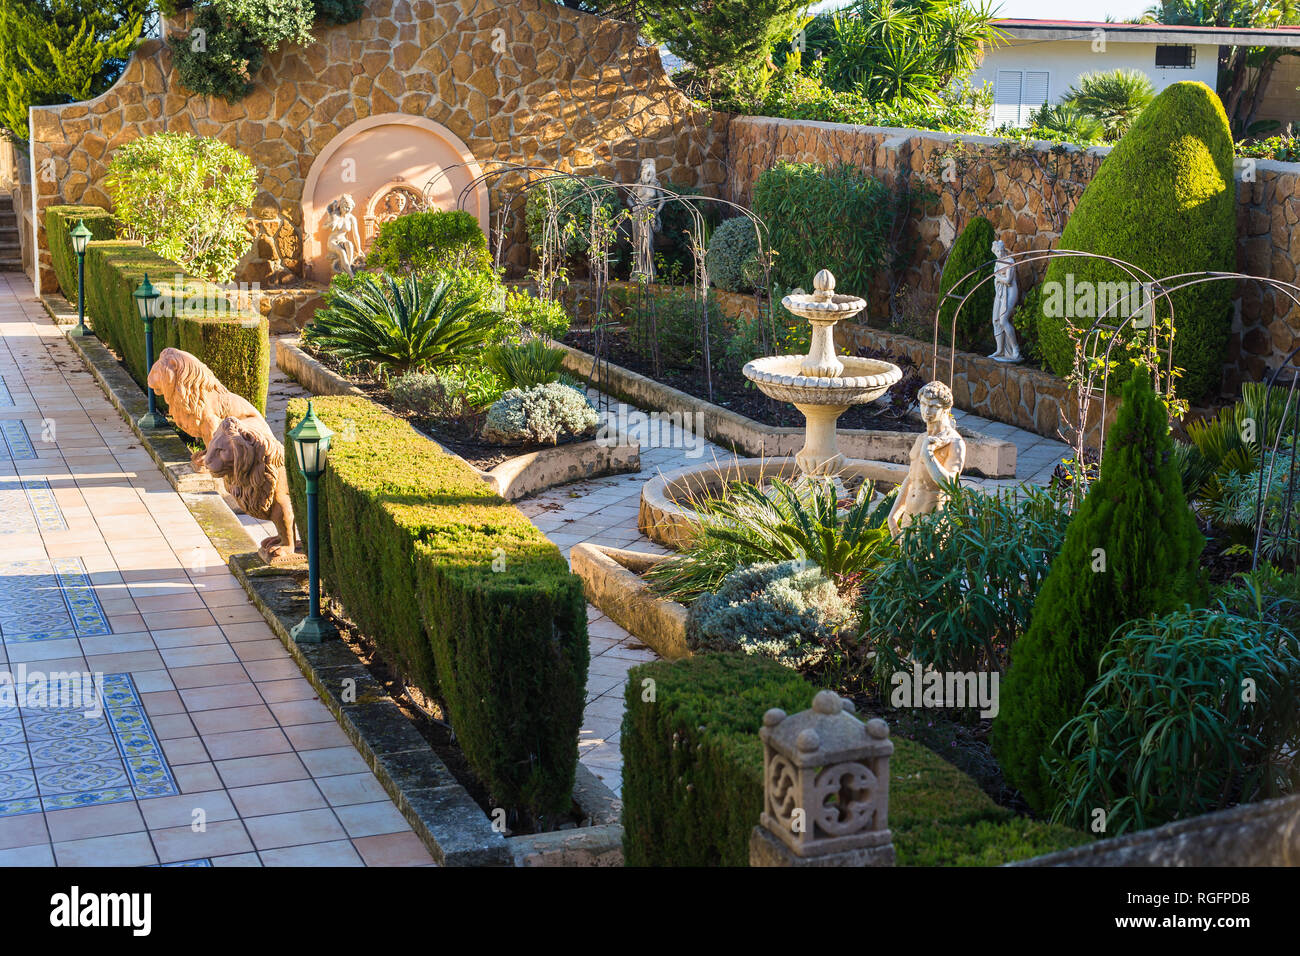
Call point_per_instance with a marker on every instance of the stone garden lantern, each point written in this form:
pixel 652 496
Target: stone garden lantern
pixel 825 788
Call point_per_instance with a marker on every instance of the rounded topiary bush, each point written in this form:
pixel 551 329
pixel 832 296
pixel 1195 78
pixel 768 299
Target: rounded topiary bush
pixel 540 415
pixel 1163 200
pixel 733 255
pixel 427 241
pixel 972 250
pixel 789 612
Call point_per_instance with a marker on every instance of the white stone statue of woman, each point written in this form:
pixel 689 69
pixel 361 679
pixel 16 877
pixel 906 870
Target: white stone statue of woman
pixel 646 202
pixel 937 458
pixel 1006 293
pixel 344 243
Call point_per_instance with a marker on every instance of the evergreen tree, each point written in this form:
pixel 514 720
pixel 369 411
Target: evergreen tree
pixel 1130 551
pixel 59 51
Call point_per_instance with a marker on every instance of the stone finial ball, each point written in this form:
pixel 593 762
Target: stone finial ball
pixel 823 281
pixel 877 728
pixel 808 741
pixel 773 717
pixel 827 702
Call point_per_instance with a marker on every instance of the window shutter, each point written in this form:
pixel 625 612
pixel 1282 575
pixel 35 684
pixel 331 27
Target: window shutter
pixel 1006 98
pixel 1037 86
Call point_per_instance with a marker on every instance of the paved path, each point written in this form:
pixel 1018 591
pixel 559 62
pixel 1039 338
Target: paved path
pixel 604 511
pixel 212 748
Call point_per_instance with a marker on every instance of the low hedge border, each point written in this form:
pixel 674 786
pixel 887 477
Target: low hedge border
pixel 59 222
pixel 693 775
pixel 466 597
pixel 235 345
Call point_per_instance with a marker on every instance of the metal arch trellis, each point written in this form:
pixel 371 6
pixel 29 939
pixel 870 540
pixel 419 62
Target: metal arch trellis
pixel 591 189
pixel 1266 474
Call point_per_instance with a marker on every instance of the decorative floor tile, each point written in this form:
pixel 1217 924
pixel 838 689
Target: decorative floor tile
pixel 17 445
pixel 60 758
pixel 202 862
pixel 28 505
pixel 43 600
pixel 6 400
pixel 49 517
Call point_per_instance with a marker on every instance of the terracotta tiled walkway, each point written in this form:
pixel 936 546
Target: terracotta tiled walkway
pixel 211 748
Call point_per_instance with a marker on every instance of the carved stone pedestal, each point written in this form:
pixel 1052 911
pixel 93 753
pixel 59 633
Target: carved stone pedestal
pixel 767 850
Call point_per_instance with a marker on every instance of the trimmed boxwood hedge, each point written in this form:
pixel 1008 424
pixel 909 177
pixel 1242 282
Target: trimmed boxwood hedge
pixel 693 775
pixel 235 345
pixel 465 596
pixel 972 250
pixel 59 222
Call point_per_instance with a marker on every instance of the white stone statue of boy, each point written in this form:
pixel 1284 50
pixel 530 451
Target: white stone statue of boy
pixel 646 202
pixel 937 458
pixel 1006 293
pixel 344 243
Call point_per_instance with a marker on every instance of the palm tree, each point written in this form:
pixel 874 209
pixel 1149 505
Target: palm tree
pixel 1114 97
pixel 1067 123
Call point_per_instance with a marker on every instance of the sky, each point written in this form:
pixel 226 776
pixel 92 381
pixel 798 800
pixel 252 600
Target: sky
pixel 1056 10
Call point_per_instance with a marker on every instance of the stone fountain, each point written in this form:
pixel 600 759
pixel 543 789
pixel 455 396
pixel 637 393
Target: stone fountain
pixel 821 384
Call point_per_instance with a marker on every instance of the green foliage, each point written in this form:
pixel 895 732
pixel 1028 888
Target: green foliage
pixel 429 393
pixel 1229 443
pixel 972 252
pixel 59 223
pixel 571 200
pixel 906 50
pixel 60 51
pixel 805 206
pixel 773 330
pixel 1168 731
pixel 1114 98
pixel 195 316
pixel 540 415
pixel 1025 320
pixel 186 198
pixel 526 364
pixel 526 314
pixel 1164 200
pixel 428 241
pixel 729 40
pixel 788 612
pixel 463 595
pixel 960 589
pixel 223 64
pixel 1130 551
pixel 338 12
pixel 1240 502
pixel 693 775
pixel 778 521
pixel 401 326
pixel 270 22
pixel 732 259
pixel 1284 148
pixel 1066 123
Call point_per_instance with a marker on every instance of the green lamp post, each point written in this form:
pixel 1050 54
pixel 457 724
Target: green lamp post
pixel 81 237
pixel 146 303
pixel 311 445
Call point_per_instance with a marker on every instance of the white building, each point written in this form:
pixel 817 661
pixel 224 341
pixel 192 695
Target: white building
pixel 1040 60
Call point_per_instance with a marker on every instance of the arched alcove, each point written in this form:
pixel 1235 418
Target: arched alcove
pixel 377 160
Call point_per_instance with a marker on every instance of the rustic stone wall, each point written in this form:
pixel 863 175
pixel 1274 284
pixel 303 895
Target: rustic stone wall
pixel 1028 195
pixel 523 81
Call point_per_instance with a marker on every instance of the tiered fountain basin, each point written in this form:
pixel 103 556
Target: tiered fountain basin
pixel 668 515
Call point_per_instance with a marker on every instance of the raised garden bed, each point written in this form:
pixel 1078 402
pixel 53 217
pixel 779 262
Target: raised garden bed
pixel 513 472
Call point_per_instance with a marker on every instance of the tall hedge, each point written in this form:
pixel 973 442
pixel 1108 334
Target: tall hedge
pixel 971 251
pixel 235 345
pixel 1165 201
pixel 59 223
pixel 1131 550
pixel 467 598
pixel 693 775
pixel 825 217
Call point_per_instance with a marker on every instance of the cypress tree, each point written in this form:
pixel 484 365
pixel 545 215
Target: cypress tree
pixel 972 250
pixel 1131 551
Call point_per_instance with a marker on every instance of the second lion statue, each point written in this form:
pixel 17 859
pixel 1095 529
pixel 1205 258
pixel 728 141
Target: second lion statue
pixel 240 447
pixel 251 463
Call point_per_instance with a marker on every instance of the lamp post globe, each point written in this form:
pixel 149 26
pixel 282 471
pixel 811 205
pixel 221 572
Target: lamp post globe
pixel 146 298
pixel 81 237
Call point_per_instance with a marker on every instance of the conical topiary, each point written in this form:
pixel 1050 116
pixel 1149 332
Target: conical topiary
pixel 1165 201
pixel 971 251
pixel 1130 551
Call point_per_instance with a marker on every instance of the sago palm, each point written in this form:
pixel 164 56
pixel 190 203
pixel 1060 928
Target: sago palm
pixel 1114 97
pixel 401 326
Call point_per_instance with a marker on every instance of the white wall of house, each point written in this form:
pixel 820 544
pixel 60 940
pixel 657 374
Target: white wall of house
pixel 1027 73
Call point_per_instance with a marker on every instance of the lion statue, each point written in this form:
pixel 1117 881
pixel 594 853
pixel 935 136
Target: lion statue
pixel 198 402
pixel 251 463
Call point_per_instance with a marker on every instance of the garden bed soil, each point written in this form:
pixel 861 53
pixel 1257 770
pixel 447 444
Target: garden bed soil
pixel 731 390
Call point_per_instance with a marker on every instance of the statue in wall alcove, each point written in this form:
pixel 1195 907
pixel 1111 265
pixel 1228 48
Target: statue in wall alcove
pixel 205 409
pixel 344 242
pixel 1006 293
pixel 937 459
pixel 646 202
pixel 251 463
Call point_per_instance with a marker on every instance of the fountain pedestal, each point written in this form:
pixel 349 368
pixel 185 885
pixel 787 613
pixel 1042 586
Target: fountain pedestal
pixel 821 384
